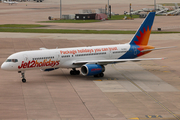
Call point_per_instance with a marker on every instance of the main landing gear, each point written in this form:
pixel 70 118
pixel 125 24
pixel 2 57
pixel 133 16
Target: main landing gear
pixel 99 75
pixel 22 76
pixel 74 72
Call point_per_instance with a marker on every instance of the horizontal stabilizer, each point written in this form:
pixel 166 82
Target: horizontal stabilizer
pixel 157 49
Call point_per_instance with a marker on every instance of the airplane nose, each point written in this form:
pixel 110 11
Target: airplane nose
pixel 4 66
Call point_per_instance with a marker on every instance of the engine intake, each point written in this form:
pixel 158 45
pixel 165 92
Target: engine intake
pixel 92 69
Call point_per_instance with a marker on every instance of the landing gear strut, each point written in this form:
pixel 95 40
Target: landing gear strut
pixel 74 72
pixel 99 75
pixel 22 76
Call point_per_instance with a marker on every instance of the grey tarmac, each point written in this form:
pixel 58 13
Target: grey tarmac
pixel 145 90
pixel 140 90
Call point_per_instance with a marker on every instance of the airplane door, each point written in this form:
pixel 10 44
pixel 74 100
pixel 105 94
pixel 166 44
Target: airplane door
pixel 135 50
pixel 110 54
pixel 58 57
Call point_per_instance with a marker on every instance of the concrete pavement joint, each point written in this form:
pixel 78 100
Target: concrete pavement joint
pixel 148 94
pixel 51 97
pixel 79 96
pixel 24 100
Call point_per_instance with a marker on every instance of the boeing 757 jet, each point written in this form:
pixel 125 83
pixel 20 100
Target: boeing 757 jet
pixel 10 2
pixel 90 60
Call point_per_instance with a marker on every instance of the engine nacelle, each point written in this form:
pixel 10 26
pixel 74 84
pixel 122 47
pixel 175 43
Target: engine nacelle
pixel 92 69
pixel 49 69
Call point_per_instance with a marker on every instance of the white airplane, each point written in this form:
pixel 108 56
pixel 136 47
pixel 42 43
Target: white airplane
pixel 158 8
pixel 10 2
pixel 176 11
pixel 162 11
pixel 91 60
pixel 176 6
pixel 133 12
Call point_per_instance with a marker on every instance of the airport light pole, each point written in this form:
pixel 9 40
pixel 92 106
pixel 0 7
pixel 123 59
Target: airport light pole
pixel 130 10
pixel 154 5
pixel 60 9
pixel 108 9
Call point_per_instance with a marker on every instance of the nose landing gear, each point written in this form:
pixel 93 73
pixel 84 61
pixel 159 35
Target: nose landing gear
pixel 22 76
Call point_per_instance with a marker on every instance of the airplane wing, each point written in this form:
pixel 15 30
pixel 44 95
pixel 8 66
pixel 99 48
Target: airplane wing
pixel 10 2
pixel 112 61
pixel 43 48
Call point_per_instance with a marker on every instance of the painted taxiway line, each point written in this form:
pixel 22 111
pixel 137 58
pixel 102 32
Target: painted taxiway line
pixel 159 103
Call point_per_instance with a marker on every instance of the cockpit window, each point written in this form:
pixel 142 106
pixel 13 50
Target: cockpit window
pixel 11 60
pixel 14 60
pixel 8 60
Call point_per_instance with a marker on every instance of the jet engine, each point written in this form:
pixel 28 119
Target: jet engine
pixel 92 69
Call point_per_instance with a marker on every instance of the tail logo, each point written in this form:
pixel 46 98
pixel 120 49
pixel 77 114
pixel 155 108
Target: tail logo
pixel 144 37
pixel 141 38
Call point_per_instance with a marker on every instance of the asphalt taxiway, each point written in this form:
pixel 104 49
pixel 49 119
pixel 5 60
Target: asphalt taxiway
pixel 132 90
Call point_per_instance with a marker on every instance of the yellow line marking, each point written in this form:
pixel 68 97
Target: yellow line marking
pixel 135 118
pixel 98 80
pixel 147 94
pixel 153 116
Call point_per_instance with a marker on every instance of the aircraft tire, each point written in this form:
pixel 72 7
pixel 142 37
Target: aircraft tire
pixel 101 74
pixel 23 80
pixel 96 75
pixel 72 72
pixel 77 72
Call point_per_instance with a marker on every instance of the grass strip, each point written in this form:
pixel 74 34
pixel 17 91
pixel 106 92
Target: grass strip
pixel 113 17
pixel 78 31
pixel 120 17
pixel 67 31
pixel 21 26
pixel 70 21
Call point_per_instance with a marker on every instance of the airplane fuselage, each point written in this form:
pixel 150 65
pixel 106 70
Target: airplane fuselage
pixel 63 58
